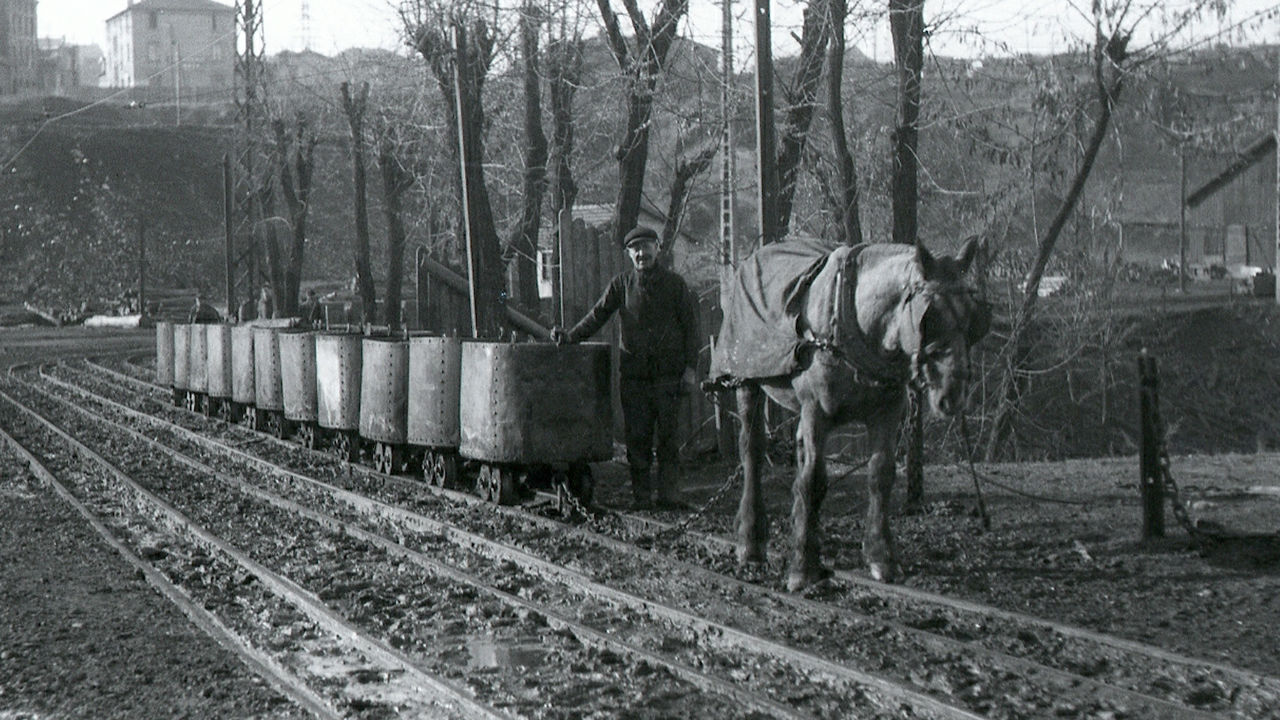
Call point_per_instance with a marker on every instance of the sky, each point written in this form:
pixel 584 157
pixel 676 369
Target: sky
pixel 1008 25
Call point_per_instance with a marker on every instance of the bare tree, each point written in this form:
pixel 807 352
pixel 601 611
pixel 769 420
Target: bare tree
pixel 643 66
pixel 355 107
pixel 845 195
pixel 295 156
pixel 522 248
pixel 801 97
pixel 397 179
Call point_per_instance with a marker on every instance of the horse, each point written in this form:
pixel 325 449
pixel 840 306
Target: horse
pixel 868 321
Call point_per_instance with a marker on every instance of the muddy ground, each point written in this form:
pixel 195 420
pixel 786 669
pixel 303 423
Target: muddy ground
pixel 82 636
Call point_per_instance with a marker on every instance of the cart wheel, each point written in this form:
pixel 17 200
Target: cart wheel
pixel 179 398
pixel 395 459
pixel 275 425
pixel 484 483
pixel 507 483
pixel 346 444
pixel 308 436
pixel 440 468
pixel 581 482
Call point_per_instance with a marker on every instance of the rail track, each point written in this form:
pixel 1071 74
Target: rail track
pixel 984 661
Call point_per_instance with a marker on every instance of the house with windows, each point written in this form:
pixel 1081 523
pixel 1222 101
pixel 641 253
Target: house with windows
pixel 187 47
pixel 18 58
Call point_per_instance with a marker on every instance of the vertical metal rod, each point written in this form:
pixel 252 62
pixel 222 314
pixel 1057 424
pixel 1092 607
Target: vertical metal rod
pixel 766 154
pixel 459 49
pixel 1151 481
pixel 1275 266
pixel 1182 217
pixel 228 229
pixel 142 268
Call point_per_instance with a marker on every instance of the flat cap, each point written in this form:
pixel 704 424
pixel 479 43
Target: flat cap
pixel 640 232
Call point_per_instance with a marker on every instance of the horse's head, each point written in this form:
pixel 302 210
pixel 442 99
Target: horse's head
pixel 946 318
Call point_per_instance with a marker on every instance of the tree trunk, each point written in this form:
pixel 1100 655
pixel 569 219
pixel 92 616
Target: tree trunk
pixel 522 248
pixel 848 221
pixel 396 181
pixel 686 171
pixel 295 186
pixel 1107 52
pixel 355 108
pixel 644 69
pixel 801 99
pixel 906 23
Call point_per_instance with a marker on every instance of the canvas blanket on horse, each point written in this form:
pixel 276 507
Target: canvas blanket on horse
pixel 760 336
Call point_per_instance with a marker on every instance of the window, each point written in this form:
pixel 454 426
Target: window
pixel 153 20
pixel 213 19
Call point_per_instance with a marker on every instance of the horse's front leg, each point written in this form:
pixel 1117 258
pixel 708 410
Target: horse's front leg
pixel 753 522
pixel 807 492
pixel 877 541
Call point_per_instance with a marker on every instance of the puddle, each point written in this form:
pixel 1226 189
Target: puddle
pixel 501 653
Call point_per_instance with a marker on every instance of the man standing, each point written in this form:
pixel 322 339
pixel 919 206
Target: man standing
pixel 658 354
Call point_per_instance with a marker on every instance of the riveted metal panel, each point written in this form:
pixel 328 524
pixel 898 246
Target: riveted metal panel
pixel 535 402
pixel 199 370
pixel 164 353
pixel 435 365
pixel 338 364
pixel 298 374
pixel 268 390
pixel 218 347
pixel 182 356
pixel 242 362
pixel 384 390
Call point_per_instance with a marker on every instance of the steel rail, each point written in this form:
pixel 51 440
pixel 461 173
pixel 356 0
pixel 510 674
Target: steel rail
pixel 718 543
pixel 713 632
pixel 584 633
pixel 262 664
pixel 444 695
pixel 1004 661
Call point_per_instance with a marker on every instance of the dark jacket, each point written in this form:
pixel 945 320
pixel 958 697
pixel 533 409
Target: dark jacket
pixel 659 327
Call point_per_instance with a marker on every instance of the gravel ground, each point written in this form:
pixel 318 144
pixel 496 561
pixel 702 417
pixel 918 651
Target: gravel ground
pixel 84 636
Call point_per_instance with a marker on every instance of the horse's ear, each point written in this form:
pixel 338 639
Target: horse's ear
pixel 967 254
pixel 928 263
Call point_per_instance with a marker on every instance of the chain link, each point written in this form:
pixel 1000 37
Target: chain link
pixel 682 527
pixel 598 520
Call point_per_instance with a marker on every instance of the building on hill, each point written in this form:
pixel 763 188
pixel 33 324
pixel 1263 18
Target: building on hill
pixel 65 67
pixel 186 47
pixel 18 58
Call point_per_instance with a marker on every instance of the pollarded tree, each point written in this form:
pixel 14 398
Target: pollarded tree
pixel 295 156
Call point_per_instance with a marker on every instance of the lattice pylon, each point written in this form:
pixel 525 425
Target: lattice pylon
pixel 251 175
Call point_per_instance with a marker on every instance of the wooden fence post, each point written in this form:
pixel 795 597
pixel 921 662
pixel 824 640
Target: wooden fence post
pixel 1152 479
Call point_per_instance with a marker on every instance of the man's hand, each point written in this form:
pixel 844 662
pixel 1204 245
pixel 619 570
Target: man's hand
pixel 560 336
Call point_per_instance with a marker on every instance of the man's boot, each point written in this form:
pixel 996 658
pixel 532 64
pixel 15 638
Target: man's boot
pixel 640 489
pixel 669 489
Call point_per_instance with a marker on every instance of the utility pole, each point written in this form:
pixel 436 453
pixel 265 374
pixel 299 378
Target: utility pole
pixel 177 84
pixel 1275 267
pixel 766 153
pixel 475 276
pixel 725 443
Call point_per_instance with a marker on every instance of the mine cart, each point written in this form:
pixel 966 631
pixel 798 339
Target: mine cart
pixel 164 354
pixel 338 364
pixel 268 390
pixel 298 383
pixel 242 369
pixel 384 400
pixel 181 363
pixel 198 378
pixel 534 415
pixel 435 365
pixel 218 346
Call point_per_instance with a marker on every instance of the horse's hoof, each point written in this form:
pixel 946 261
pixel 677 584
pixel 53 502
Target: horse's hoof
pixel 797 581
pixel 751 556
pixel 884 572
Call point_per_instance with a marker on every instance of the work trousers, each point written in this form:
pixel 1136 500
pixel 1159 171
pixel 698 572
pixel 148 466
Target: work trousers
pixel 649 416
